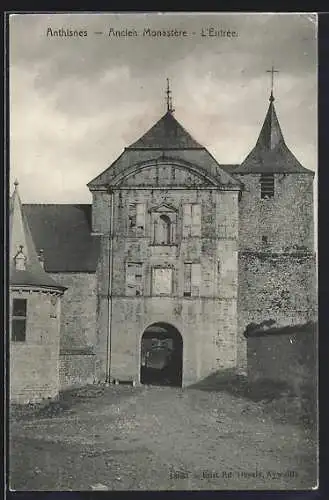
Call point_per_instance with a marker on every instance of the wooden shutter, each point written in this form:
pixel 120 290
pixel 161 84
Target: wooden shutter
pixel 187 219
pixel 140 216
pixel 187 279
pixel 134 279
pixel 196 220
pixel 196 279
pixel 131 218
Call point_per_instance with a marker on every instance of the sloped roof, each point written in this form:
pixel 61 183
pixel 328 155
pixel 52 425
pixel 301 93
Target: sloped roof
pixel 167 140
pixel 167 133
pixel 64 233
pixel 21 241
pixel 271 154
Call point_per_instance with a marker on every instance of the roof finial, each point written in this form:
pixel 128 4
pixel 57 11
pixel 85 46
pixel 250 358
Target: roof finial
pixel 272 71
pixel 169 98
pixel 16 183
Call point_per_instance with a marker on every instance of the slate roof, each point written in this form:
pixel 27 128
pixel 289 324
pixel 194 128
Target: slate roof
pixel 63 231
pixel 167 140
pixel 271 154
pixel 167 133
pixel 21 241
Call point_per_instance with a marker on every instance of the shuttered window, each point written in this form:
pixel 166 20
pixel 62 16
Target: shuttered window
pixel 267 185
pixel 192 279
pixel 191 219
pixel 134 279
pixel 187 279
pixel 196 220
pixel 136 218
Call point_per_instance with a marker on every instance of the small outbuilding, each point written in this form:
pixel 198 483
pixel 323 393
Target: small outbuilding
pixel 34 315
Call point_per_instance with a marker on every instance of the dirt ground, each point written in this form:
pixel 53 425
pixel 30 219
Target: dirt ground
pixel 158 438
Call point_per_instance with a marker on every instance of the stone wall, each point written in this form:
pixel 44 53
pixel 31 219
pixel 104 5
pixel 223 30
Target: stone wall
pixel 286 220
pixel 208 330
pixel 34 363
pixel 277 269
pixel 207 323
pixel 79 305
pixel 278 287
pixel 78 335
pixel 76 369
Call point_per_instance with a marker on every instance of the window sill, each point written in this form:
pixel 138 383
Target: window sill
pixel 163 245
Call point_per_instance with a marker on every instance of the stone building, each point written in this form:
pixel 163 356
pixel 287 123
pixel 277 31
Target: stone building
pixel 180 253
pixel 34 316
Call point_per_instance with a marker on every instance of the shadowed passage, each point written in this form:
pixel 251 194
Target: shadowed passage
pixel 161 355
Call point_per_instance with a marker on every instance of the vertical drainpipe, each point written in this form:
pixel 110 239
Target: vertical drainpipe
pixel 109 338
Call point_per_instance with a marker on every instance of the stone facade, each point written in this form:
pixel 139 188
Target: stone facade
pixel 277 279
pixel 34 362
pixel 206 322
pixel 79 308
pixel 174 238
pixel 34 316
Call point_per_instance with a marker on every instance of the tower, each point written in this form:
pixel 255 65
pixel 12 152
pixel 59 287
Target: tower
pixel 276 234
pixel 167 216
pixel 34 319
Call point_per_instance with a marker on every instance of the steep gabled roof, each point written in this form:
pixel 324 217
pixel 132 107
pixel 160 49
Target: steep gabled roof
pixel 167 140
pixel 271 154
pixel 167 133
pixel 63 231
pixel 22 244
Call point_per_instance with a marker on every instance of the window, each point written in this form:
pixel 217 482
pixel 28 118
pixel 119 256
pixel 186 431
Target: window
pixel 191 219
pixel 264 240
pixel 134 279
pixel 162 281
pixel 267 185
pixel 163 221
pixel 162 230
pixel 192 279
pixel 136 218
pixel 140 216
pixel 18 324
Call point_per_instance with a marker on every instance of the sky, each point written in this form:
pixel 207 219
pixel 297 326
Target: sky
pixel 76 103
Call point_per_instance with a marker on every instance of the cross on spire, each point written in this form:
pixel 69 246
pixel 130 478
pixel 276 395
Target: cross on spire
pixel 272 71
pixel 169 98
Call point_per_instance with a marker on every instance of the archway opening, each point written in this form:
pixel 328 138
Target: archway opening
pixel 161 355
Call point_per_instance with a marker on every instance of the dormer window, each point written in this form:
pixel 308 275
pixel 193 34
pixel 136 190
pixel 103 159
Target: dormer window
pixel 20 259
pixel 266 186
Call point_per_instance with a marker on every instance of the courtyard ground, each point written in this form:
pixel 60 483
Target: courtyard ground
pixel 159 438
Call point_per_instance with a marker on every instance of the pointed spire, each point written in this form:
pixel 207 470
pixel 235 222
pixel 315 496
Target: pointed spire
pixel 169 98
pixel 271 134
pixel 271 154
pixel 25 267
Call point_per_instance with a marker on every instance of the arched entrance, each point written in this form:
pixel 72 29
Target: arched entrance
pixel 161 355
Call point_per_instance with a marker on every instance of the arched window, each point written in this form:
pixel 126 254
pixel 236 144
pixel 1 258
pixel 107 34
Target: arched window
pixel 165 224
pixel 162 230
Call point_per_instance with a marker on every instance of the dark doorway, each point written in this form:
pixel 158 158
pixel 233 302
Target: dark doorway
pixel 161 355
